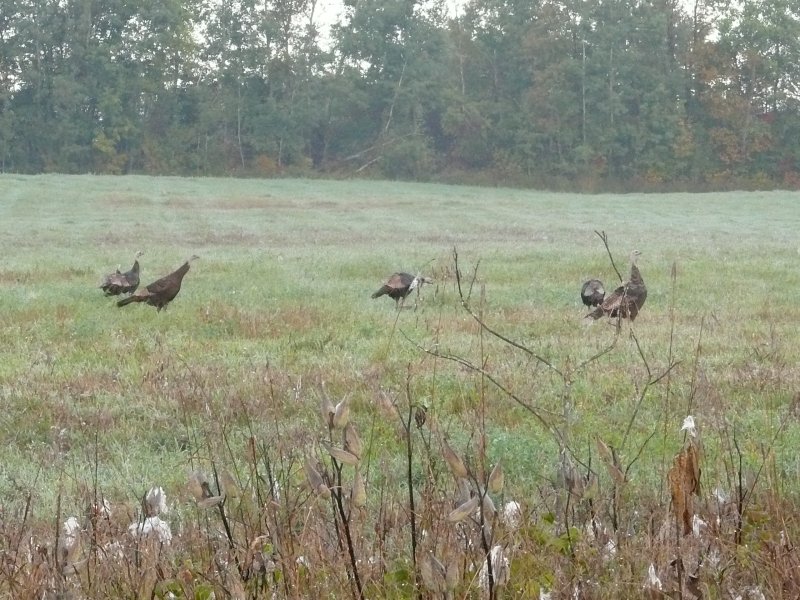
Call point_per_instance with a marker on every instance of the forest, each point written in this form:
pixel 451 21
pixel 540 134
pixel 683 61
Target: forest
pixel 587 95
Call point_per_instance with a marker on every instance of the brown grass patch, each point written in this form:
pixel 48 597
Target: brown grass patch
pixel 16 277
pixel 228 238
pixel 119 200
pixel 249 324
pixel 252 203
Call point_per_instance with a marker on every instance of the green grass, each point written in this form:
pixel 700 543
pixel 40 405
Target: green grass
pixel 279 304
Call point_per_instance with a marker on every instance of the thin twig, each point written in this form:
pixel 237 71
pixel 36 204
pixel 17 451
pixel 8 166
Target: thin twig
pixel 498 335
pixel 480 370
pixel 650 382
pixel 668 391
pixel 602 235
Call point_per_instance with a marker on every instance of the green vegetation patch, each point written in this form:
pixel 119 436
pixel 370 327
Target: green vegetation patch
pixel 230 382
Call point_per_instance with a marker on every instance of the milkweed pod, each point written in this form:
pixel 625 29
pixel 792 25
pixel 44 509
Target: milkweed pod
pixel 611 462
pixel 251 451
pixel 511 515
pixel 465 510
pixel 652 582
pixel 155 502
pixel 197 484
pixel 341 413
pixel 358 495
pixel 689 426
pixel 420 416
pixel 229 485
pixel 489 510
pixel 210 502
pixel 426 572
pixel 463 491
pixel 70 542
pixel 352 442
pixel 327 411
pixel 500 566
pixel 496 479
pixel 343 456
pixel 455 463
pixel 452 574
pixel 315 480
pixel 433 574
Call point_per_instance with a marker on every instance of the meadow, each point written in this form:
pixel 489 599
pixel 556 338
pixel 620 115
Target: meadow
pixel 226 401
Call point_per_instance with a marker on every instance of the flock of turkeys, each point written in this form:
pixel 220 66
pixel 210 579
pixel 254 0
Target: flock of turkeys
pixel 625 302
pixel 159 293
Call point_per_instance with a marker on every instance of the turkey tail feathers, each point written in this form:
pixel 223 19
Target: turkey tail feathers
pixel 128 300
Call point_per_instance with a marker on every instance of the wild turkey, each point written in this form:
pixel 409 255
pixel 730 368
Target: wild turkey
pixel 593 292
pixel 400 285
pixel 627 300
pixel 118 283
pixel 162 291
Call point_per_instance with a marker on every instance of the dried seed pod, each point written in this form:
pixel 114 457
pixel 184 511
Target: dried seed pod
pixel 315 480
pixel 452 574
pixel 496 479
pixel 327 411
pixel 489 510
pixel 569 476
pixel 426 572
pixel 433 574
pixel 251 452
pixel 420 414
pixel 207 493
pixel 464 511
pixel 612 463
pixel 229 485
pixel 210 502
pixel 512 515
pixel 197 485
pixel 341 413
pixel 684 481
pixel 70 541
pixel 154 502
pixel 463 491
pixel 352 442
pixel 343 456
pixel 500 568
pixel 453 461
pixel 358 495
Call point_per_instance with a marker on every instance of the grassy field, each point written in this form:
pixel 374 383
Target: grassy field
pixel 100 404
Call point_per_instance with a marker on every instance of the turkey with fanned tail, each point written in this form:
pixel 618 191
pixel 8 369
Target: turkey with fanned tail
pixel 118 283
pixel 593 292
pixel 627 300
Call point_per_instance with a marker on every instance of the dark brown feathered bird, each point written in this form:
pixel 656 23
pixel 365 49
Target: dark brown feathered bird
pixel 400 285
pixel 118 283
pixel 162 291
pixel 593 292
pixel 627 300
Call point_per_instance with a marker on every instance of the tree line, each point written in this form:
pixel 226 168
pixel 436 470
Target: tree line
pixel 566 94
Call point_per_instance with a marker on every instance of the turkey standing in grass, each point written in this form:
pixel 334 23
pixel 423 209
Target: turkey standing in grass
pixel 122 283
pixel 162 291
pixel 400 285
pixel 593 292
pixel 627 300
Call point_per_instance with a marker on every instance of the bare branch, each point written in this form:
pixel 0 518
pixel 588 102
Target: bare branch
pixel 602 235
pixel 535 411
pixel 497 334
pixel 602 352
pixel 650 382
